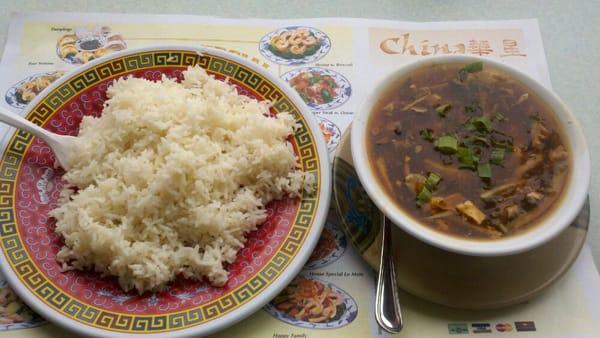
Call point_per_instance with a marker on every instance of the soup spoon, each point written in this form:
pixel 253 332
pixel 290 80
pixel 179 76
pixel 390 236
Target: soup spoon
pixel 387 302
pixel 62 145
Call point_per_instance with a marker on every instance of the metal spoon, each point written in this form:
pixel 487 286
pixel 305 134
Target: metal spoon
pixel 387 302
pixel 61 145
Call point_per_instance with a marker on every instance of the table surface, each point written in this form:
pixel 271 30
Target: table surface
pixel 570 31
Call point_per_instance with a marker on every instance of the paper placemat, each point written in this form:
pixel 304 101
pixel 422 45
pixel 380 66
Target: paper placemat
pixel 353 53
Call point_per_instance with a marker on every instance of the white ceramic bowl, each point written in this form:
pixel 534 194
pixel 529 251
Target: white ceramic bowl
pixel 552 224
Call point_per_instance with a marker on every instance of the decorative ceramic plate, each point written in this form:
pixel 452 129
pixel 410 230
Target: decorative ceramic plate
pixel 320 51
pixel 339 89
pixel 331 132
pixel 331 246
pixel 448 278
pixel 12 96
pixel 344 314
pixel 92 305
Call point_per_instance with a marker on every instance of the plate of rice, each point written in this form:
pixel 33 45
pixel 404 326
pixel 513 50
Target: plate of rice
pixel 196 191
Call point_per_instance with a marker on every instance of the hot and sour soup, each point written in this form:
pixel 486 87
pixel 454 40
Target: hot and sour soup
pixel 467 151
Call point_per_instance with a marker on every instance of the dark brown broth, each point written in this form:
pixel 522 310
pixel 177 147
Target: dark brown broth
pixel 394 135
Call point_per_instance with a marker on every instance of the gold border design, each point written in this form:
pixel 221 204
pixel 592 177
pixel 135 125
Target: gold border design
pixel 11 241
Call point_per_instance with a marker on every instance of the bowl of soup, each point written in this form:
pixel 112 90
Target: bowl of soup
pixel 471 155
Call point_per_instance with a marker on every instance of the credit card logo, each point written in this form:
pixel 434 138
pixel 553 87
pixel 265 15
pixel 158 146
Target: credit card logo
pixel 525 326
pixel 481 327
pixel 458 328
pixel 504 327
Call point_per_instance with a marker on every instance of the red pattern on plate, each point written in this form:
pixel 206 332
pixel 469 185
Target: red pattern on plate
pixel 39 186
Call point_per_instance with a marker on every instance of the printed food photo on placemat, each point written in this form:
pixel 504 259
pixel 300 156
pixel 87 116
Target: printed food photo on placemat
pixel 85 45
pixel 330 247
pixel 313 303
pixel 331 132
pixel 320 88
pixel 14 314
pixel 295 45
pixel 24 91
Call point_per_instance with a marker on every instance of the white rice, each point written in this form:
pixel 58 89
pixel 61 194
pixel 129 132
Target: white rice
pixel 170 179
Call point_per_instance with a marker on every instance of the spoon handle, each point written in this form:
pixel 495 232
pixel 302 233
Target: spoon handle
pixel 387 302
pixel 19 122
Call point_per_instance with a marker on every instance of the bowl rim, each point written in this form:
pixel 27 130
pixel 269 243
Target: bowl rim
pixel 572 200
pixel 244 310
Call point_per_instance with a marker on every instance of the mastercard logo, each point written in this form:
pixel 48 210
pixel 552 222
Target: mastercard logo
pixel 504 327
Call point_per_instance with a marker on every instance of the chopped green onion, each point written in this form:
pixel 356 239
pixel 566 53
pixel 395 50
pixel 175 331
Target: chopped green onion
pixel 447 144
pixel 474 67
pixel 484 170
pixel 505 144
pixel 432 180
pixel 477 140
pixel 427 134
pixel 482 124
pixel 424 196
pixel 466 159
pixel 443 109
pixel 470 68
pixel 469 125
pixel 313 80
pixel 497 156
